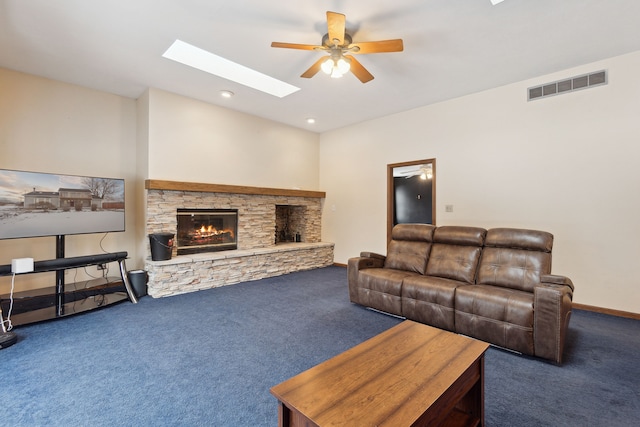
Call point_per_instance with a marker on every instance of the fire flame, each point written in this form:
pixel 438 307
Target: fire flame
pixel 210 231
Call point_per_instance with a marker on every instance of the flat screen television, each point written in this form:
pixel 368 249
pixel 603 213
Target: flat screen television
pixel 35 204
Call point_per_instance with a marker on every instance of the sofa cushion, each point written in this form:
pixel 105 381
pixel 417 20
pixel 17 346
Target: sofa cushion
pixel 533 240
pixel 515 258
pixel 429 300
pixel 498 315
pixel 459 235
pixel 380 288
pixel 409 247
pixel 455 253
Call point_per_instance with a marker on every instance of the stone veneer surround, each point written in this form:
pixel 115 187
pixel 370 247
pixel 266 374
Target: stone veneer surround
pixel 257 255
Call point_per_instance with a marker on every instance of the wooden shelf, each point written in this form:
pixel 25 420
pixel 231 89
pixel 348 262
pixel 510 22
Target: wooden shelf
pixel 155 184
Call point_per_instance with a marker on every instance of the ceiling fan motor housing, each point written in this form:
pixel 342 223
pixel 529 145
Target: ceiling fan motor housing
pixel 329 44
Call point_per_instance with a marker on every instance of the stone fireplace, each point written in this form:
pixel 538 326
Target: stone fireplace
pixel 278 231
pixel 206 230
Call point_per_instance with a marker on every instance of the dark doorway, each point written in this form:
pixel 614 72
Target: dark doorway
pixel 412 200
pixel 411 193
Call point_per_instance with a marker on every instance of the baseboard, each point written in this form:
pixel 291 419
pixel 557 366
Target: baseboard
pixel 612 312
pixel 337 264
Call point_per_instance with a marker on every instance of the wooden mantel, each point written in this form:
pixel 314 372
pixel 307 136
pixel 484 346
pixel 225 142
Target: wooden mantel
pixel 155 184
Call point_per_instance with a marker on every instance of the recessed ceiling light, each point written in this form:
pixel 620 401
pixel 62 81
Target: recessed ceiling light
pixel 311 120
pixel 226 93
pixel 198 58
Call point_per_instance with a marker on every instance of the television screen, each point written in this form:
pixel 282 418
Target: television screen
pixel 36 204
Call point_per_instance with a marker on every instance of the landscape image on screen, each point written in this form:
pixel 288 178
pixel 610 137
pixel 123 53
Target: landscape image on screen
pixel 36 204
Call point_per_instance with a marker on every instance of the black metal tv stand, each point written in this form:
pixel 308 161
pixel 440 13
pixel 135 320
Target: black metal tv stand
pixel 67 299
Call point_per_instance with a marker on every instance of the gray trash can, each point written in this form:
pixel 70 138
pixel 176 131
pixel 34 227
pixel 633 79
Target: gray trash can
pixel 138 280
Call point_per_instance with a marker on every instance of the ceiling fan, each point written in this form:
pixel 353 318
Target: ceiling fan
pixel 340 47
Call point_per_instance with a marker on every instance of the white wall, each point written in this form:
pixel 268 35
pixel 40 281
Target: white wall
pixel 49 126
pixel 566 164
pixel 194 141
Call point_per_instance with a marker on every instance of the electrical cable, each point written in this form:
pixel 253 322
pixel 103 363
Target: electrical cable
pixel 8 321
pixel 105 271
pixel 100 244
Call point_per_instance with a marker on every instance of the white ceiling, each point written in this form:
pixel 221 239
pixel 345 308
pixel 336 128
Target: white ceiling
pixel 451 48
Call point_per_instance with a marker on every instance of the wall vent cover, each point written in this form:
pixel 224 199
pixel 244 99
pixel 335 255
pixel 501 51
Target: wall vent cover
pixel 571 84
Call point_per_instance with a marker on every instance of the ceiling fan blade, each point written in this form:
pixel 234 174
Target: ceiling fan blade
pixel 336 23
pixel 297 46
pixel 313 70
pixel 394 45
pixel 358 70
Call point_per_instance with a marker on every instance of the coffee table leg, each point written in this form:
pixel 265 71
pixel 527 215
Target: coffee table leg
pixel 479 390
pixel 474 400
pixel 284 415
pixel 472 403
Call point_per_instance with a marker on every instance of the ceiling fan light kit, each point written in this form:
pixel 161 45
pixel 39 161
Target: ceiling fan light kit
pixel 336 68
pixel 338 44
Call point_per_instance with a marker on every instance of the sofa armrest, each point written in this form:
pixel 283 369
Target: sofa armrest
pixel 551 313
pixel 372 255
pixel 556 280
pixel 354 266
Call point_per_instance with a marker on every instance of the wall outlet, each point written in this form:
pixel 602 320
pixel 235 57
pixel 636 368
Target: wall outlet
pixel 101 266
pixel 448 208
pixel 22 265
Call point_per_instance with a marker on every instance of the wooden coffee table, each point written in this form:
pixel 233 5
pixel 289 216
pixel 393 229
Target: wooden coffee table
pixel 409 375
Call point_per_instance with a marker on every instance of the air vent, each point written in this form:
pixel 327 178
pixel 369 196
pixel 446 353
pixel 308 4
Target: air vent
pixel 567 85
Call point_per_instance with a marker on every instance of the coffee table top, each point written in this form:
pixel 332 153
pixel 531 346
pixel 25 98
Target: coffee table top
pixel 389 379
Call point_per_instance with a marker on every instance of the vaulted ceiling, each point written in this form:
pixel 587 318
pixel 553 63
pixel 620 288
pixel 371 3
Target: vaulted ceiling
pixel 451 48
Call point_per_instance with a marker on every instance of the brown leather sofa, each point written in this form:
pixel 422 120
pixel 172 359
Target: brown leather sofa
pixel 495 285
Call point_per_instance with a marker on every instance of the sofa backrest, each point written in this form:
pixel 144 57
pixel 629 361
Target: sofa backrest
pixel 409 247
pixel 455 252
pixel 515 258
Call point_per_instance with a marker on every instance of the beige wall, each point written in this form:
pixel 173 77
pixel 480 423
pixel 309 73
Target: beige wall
pixel 194 141
pixel 142 172
pixel 566 164
pixel 49 126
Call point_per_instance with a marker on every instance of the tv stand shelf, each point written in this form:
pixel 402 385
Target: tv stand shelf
pixel 67 299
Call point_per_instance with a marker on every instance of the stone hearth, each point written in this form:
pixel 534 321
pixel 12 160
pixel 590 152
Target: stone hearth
pixel 258 256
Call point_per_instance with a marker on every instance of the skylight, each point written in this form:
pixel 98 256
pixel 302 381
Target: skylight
pixel 206 61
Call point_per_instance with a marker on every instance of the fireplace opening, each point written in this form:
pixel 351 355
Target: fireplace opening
pixel 206 230
pixel 290 223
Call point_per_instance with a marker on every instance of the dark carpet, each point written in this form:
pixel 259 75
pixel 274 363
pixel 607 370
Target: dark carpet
pixel 209 358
